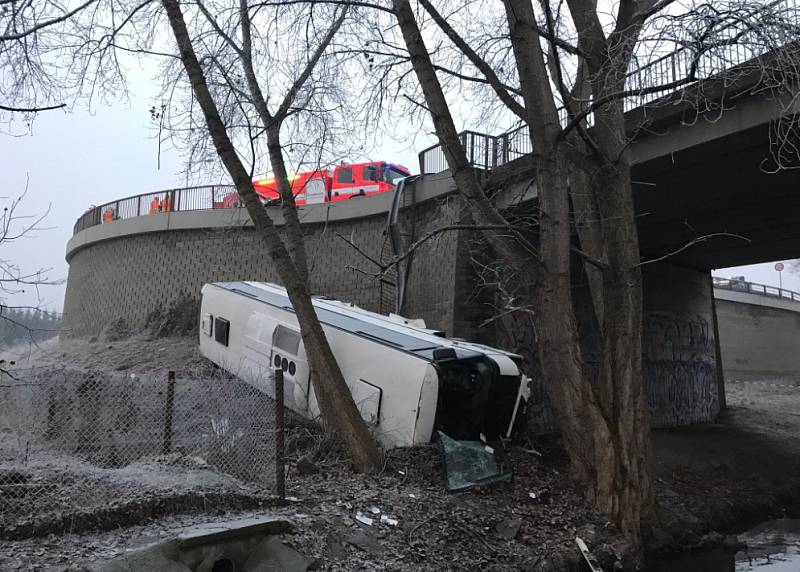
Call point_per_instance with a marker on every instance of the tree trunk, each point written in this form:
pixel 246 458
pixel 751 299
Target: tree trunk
pixel 604 425
pixel 509 244
pixel 557 339
pixel 334 397
pixel 293 230
pixel 624 487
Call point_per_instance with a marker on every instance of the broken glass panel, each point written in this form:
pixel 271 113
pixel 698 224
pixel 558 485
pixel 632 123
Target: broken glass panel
pixel 469 464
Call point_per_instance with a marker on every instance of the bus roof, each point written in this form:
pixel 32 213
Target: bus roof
pixel 355 320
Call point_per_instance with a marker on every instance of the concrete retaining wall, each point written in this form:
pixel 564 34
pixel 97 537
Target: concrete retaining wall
pixel 127 269
pixel 759 336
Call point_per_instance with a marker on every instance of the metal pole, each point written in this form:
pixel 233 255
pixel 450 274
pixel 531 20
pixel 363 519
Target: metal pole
pixel 167 448
pixel 472 150
pixel 52 413
pixel 280 476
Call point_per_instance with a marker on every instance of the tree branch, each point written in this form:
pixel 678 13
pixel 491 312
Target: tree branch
pixel 288 100
pixel 45 24
pixel 32 109
pixel 337 2
pixel 698 240
pixel 481 64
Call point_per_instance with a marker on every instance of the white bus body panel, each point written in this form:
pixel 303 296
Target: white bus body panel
pixel 396 393
pixel 395 389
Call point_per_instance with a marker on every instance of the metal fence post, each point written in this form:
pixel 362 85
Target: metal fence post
pixel 52 414
pixel 168 409
pixel 280 476
pixel 472 149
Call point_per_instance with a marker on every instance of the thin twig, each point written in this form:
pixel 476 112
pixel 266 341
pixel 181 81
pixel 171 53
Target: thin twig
pixel 698 240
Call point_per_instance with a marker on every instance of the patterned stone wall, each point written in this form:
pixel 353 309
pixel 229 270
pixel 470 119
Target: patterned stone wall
pixel 131 276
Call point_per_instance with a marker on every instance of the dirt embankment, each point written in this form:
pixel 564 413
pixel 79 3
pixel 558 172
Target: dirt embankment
pixel 708 477
pixel 742 469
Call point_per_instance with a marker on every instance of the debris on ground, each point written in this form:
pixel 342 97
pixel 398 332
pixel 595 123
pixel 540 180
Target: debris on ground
pixel 469 464
pixel 386 519
pixel 305 466
pixel 363 519
pixel 588 557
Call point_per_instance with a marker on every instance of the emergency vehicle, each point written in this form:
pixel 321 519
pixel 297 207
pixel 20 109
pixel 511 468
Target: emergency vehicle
pixel 407 381
pixel 345 181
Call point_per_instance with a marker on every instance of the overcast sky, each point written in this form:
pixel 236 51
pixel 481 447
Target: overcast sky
pixel 73 160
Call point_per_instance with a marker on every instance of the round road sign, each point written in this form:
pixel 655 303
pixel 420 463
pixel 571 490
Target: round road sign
pixel 779 266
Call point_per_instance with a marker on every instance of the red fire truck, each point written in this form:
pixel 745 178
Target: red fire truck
pixel 343 182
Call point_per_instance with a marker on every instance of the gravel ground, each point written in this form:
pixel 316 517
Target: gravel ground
pixel 770 407
pixel 140 355
pixel 434 530
pixel 706 477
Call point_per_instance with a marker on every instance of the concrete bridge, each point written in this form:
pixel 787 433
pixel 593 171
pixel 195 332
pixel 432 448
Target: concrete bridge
pixel 696 175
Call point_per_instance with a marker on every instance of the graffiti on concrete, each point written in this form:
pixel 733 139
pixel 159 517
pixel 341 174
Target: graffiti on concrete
pixel 669 336
pixel 679 362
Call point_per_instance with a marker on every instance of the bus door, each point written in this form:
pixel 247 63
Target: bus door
pixel 288 354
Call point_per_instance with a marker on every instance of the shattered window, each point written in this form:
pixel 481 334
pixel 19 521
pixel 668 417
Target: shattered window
pixel 469 464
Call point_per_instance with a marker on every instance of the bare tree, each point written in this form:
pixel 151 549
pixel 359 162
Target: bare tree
pixel 562 71
pixel 32 42
pixel 23 317
pixel 240 74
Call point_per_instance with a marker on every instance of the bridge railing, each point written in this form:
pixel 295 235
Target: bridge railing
pixel 170 200
pixel 739 285
pixel 645 79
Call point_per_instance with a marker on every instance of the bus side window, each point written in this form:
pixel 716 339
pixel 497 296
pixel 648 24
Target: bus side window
pixel 221 329
pixel 286 339
pixel 370 173
pixel 345 176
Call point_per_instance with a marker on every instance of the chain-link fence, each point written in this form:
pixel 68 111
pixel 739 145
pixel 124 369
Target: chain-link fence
pixel 76 441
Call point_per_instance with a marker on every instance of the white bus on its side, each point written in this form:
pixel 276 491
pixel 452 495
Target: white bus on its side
pixel 407 381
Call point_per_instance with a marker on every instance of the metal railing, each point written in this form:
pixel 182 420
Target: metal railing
pixel 171 200
pixel 739 285
pixel 488 151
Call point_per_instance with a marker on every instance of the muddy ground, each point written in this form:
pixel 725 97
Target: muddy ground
pixel 718 476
